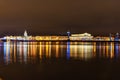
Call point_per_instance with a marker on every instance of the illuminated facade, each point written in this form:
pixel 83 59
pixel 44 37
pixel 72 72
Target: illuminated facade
pixel 37 38
pixel 98 38
pixel 50 37
pixel 84 36
pixel 69 36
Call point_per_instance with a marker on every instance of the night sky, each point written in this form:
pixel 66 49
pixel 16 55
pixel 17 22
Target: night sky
pixel 41 17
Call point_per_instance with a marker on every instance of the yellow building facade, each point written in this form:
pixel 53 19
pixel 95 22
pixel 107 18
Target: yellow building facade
pixel 84 36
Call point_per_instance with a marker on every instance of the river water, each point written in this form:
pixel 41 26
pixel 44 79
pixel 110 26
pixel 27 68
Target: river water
pixel 59 60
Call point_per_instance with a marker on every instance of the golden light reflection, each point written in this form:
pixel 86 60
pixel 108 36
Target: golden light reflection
pixel 112 50
pixel 47 49
pixel 82 51
pixel 20 52
pixel 25 52
pixel 94 49
pixel 34 48
pixel 14 47
pixel 40 50
pixel 31 49
pixel 57 49
pixel 107 50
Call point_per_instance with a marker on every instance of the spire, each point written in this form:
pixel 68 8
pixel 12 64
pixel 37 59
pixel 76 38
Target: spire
pixel 25 33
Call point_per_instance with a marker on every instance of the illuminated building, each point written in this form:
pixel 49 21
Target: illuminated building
pixel 84 36
pixel 69 36
pixel 98 38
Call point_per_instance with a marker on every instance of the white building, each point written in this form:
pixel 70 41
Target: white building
pixel 84 36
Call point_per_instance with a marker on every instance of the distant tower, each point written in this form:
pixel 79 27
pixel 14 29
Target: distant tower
pixel 117 34
pixel 68 33
pixel 117 37
pixel 25 33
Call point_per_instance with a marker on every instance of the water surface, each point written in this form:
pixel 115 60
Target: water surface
pixel 59 60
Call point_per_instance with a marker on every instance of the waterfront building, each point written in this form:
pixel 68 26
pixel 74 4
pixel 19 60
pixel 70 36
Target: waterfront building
pixel 51 37
pixel 84 36
pixel 69 36
pixel 103 38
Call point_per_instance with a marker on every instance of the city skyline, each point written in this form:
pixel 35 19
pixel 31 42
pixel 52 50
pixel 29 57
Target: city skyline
pixel 59 39
pixel 28 33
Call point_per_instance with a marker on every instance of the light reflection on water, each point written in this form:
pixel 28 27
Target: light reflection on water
pixel 30 52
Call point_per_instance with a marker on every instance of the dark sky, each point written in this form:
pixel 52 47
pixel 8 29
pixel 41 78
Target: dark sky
pixel 40 17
